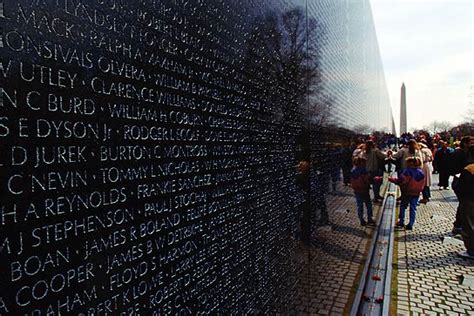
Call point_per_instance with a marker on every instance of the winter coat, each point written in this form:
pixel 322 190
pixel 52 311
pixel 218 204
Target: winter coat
pixel 464 188
pixel 427 165
pixel 458 160
pixel 411 181
pixel 360 180
pixel 443 159
pixel 374 160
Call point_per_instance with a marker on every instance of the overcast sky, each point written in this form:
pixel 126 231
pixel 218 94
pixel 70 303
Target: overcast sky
pixel 428 44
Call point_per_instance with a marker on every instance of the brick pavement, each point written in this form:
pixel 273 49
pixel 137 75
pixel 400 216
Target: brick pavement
pixel 429 270
pixel 332 265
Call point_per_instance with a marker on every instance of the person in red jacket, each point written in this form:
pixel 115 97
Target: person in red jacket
pixel 360 182
pixel 411 182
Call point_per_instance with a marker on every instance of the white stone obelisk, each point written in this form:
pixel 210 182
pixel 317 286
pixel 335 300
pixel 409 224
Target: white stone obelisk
pixel 403 111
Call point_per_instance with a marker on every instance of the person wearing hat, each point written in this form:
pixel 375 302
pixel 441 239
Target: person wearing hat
pixel 464 189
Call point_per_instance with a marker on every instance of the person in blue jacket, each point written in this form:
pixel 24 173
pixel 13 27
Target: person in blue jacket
pixel 411 182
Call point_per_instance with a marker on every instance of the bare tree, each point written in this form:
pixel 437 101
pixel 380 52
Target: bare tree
pixel 445 126
pixel 284 51
pixel 363 129
pixel 438 126
pixel 320 111
pixel 432 127
pixel 470 112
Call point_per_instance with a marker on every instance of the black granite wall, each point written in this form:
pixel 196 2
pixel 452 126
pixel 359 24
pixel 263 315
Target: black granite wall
pixel 148 154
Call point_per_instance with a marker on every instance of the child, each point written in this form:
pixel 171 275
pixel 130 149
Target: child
pixel 360 182
pixel 411 182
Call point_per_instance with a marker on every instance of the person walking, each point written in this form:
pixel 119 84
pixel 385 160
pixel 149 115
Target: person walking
pixel 442 161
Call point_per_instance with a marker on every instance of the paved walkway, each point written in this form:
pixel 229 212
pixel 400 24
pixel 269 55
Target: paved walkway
pixel 428 269
pixel 334 262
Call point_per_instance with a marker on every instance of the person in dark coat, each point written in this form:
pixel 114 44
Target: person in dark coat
pixel 442 161
pixel 347 163
pixel 303 181
pixel 459 160
pixel 460 157
pixel 464 189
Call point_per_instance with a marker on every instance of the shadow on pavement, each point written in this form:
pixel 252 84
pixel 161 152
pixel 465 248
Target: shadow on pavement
pixel 448 199
pixel 335 249
pixel 342 194
pixel 420 237
pixel 350 230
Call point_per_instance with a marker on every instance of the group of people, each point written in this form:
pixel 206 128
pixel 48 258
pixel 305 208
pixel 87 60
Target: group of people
pixel 368 171
pixel 415 163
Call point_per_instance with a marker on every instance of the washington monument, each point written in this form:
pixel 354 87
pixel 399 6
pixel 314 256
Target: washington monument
pixel 403 111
